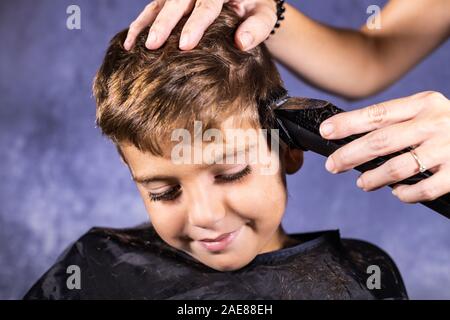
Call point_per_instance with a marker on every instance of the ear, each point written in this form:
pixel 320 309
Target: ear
pixel 293 159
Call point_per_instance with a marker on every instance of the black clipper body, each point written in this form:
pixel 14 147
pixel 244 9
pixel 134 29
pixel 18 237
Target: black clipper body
pixel 299 119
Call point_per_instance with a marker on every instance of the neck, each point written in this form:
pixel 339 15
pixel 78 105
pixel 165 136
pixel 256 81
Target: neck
pixel 278 241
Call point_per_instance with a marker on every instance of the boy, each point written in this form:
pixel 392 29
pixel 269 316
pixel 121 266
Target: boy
pixel 215 228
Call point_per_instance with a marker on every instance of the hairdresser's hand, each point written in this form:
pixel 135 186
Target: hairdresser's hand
pixel 421 120
pixel 163 15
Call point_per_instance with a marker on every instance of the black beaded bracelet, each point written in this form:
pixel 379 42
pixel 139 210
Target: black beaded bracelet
pixel 280 11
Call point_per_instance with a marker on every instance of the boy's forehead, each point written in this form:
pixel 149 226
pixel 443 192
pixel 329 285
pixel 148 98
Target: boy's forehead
pixel 233 140
pixel 209 151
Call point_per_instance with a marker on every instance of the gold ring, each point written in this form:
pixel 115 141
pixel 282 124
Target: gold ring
pixel 422 168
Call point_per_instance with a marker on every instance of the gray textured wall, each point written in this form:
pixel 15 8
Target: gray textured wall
pixel 59 177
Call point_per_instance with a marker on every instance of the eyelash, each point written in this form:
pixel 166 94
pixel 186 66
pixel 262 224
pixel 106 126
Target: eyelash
pixel 174 192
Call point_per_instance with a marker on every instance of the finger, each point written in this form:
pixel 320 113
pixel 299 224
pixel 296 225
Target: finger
pixel 145 18
pixel 256 28
pixel 203 15
pixel 401 167
pixel 426 190
pixel 378 143
pixel 372 117
pixel 166 20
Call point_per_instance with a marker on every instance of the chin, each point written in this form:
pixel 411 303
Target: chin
pixel 227 263
pixel 228 267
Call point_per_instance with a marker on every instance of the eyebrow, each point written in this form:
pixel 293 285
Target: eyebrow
pixel 150 178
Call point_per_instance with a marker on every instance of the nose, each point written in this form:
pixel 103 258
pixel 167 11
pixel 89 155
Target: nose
pixel 206 208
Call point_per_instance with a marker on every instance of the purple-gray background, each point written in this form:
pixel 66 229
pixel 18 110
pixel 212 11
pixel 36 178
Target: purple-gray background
pixel 59 177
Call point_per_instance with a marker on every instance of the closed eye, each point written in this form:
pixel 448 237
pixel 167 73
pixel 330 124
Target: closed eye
pixel 235 176
pixel 174 192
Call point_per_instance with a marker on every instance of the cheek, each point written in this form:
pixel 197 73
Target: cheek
pixel 168 222
pixel 273 198
pixel 262 199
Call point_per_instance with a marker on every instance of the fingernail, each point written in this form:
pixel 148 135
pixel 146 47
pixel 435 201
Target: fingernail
pixel 327 128
pixel 246 39
pixel 394 192
pixel 330 165
pixel 359 183
pixel 184 40
pixel 152 37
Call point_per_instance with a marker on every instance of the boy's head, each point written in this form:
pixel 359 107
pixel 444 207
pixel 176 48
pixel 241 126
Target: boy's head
pixel 147 101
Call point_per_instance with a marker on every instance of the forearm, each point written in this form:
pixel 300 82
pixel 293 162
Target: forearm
pixel 358 63
pixel 336 60
pixel 410 31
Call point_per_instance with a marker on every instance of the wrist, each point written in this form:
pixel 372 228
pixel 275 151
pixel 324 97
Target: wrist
pixel 280 9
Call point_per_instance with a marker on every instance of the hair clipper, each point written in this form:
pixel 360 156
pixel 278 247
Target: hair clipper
pixel 298 121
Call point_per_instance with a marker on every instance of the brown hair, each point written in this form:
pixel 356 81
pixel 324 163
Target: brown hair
pixel 142 95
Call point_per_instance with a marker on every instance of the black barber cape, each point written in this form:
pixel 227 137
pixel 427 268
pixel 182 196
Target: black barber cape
pixel 135 263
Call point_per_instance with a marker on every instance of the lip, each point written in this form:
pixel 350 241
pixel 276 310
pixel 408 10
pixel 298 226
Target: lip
pixel 221 243
pixel 222 236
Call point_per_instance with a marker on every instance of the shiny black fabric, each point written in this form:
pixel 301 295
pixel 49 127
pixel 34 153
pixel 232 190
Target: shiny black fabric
pixel 136 263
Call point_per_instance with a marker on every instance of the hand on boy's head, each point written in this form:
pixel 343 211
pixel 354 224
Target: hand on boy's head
pixel 163 16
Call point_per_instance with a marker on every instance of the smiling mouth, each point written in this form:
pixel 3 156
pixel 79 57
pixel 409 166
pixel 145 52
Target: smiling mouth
pixel 221 242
